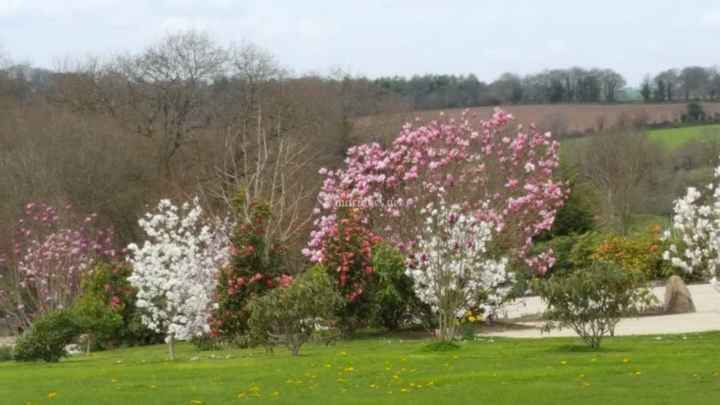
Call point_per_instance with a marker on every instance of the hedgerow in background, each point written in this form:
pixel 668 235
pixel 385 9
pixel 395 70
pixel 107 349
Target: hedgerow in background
pixel 454 271
pixel 503 178
pixel 290 315
pixel 256 265
pixel 52 250
pixel 695 233
pixel 592 300
pixel 175 270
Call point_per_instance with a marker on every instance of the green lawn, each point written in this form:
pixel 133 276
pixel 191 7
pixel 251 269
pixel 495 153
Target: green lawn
pixel 674 137
pixel 635 370
pixel 668 138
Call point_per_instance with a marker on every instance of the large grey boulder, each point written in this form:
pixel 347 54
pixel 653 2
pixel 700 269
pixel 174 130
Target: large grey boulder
pixel 677 297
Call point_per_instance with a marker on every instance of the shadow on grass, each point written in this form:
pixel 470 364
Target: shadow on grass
pixel 440 347
pixel 582 348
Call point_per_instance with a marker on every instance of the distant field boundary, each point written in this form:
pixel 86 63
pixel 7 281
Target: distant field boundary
pixel 567 120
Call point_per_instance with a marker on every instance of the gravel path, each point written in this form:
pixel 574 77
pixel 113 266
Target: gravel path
pixel 707 317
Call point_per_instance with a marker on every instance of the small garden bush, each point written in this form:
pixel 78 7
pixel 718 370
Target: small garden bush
pixel 290 315
pixel 106 308
pixel 6 353
pixel 394 299
pixel 98 321
pixel 640 253
pixel 591 301
pixel 47 337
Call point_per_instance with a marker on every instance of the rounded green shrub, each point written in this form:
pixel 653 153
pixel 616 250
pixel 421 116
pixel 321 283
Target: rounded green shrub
pixel 592 300
pixel 394 300
pixel 47 337
pixel 291 315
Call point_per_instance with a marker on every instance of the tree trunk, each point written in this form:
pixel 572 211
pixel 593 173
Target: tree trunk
pixel 88 341
pixel 171 346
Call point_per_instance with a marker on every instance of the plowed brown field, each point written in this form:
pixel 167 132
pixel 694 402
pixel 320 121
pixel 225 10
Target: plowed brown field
pixel 561 118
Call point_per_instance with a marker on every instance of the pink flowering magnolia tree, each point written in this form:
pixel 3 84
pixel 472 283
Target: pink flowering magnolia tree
pixel 52 250
pixel 500 176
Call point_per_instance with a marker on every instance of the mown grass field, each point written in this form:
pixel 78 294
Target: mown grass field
pixel 674 137
pixel 631 370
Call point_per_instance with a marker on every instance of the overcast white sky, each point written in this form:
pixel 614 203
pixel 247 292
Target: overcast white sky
pixel 386 37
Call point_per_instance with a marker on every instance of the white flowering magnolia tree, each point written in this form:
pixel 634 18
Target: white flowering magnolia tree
pixel 453 269
pixel 695 232
pixel 175 270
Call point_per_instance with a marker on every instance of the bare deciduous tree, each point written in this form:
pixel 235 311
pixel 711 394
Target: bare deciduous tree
pixel 621 165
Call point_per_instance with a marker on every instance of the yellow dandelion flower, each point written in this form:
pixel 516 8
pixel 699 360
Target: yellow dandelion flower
pixel 52 395
pixel 403 390
pixel 563 362
pixel 396 377
pixel 373 386
pixel 348 369
pixel 626 360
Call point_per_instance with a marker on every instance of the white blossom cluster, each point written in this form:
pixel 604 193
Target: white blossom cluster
pixel 453 269
pixel 175 269
pixel 695 233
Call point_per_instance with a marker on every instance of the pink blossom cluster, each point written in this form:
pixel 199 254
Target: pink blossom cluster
pixel 236 284
pixel 50 254
pixel 502 177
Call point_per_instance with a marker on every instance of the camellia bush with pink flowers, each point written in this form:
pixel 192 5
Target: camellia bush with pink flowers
pixel 52 250
pixel 499 175
pixel 256 265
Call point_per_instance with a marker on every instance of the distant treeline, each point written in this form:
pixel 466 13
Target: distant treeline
pixel 690 83
pixel 574 85
pixel 439 91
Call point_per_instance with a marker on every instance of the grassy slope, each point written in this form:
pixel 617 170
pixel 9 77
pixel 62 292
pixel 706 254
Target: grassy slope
pixel 675 137
pixel 637 370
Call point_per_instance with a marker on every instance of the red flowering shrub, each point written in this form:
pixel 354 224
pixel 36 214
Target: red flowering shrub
pixel 107 307
pixel 256 266
pixel 348 260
